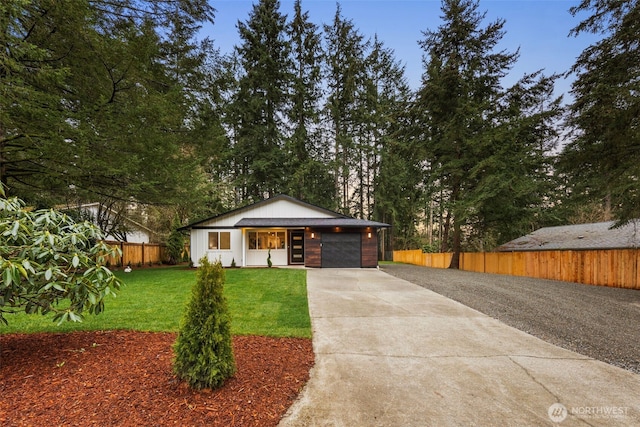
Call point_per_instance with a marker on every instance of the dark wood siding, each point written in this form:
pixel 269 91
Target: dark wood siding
pixel 312 249
pixel 369 249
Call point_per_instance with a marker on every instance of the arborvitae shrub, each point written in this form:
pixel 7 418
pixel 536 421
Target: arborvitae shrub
pixel 175 247
pixel 203 349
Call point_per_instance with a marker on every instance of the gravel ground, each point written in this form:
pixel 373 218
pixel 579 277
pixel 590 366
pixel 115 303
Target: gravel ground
pixel 596 321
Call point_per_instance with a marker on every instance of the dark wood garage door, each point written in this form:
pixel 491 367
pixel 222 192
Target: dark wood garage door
pixel 341 250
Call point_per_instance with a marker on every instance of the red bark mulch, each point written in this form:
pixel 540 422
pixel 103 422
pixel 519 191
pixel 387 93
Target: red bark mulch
pixel 125 378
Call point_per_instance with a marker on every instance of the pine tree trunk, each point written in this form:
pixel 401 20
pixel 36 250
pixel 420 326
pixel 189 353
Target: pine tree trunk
pixel 455 259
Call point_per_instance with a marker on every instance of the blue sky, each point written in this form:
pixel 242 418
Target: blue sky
pixel 540 28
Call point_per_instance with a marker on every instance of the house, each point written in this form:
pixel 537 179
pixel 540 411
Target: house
pixel 115 225
pixel 288 232
pixel 600 235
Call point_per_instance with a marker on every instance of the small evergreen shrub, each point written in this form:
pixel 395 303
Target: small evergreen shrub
pixel 269 262
pixel 175 246
pixel 203 352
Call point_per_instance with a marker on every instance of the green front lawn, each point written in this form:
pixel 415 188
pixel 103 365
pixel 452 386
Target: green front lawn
pixel 262 301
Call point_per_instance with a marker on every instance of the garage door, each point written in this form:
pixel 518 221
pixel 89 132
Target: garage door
pixel 341 250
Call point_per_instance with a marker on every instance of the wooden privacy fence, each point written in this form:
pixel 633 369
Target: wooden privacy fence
pixel 615 267
pixel 135 254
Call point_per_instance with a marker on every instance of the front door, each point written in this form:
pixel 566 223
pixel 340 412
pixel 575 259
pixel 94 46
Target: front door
pixel 296 245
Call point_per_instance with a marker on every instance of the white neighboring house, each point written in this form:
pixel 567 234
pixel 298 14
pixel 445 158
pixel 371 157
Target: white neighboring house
pixel 128 230
pixel 288 230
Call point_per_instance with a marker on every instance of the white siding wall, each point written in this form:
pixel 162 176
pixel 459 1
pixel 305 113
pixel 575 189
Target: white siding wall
pixel 277 209
pixel 134 236
pixel 200 244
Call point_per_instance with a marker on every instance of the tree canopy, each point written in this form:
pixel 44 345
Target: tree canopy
pixel 96 98
pixel 601 162
pixel 124 103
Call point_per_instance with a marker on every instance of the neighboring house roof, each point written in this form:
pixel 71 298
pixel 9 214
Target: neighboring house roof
pixel 324 217
pixel 598 235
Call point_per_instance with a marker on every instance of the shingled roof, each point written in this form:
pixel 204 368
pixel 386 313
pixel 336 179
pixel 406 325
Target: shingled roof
pixel 309 222
pixel 600 235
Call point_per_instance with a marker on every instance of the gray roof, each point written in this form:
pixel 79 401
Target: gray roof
pixel 309 222
pixel 598 235
pixel 263 202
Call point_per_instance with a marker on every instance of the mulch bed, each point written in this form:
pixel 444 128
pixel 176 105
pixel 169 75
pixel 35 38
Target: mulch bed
pixel 125 378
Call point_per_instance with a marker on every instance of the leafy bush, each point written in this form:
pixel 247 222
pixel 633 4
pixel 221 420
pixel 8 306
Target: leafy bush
pixel 203 351
pixel 430 249
pixel 49 263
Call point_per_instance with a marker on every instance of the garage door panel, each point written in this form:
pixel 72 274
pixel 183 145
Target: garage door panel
pixel 341 250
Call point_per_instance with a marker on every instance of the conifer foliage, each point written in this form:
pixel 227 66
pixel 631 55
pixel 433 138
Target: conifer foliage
pixel 203 352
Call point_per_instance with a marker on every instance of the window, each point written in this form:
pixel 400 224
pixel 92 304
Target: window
pixel 220 240
pixel 266 239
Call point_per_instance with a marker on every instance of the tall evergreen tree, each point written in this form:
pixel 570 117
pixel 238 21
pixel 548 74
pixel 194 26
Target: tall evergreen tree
pixel 345 50
pixel 602 162
pixel 398 191
pixel 513 188
pixel 462 78
pixel 311 179
pixel 261 102
pixel 476 132
pixel 383 95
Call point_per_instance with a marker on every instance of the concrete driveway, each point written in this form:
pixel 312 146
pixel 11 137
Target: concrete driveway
pixel 390 353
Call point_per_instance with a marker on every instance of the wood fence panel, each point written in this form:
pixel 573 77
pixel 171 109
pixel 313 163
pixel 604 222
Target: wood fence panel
pixel 552 265
pixel 505 263
pixel 426 260
pixel 567 266
pixel 442 260
pixel 530 264
pixel 590 267
pixel 601 264
pixel 636 282
pixel 543 265
pixel 491 262
pixel 131 254
pixel 577 266
pixel 615 268
pixel 135 254
pixel 409 256
pixel 153 253
pixel 519 266
pixel 473 261
pixel 624 268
